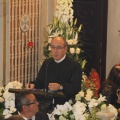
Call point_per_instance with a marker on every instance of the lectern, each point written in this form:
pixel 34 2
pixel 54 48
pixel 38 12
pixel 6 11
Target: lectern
pixel 45 99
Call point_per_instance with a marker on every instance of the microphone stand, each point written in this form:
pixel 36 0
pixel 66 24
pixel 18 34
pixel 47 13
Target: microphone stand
pixel 51 107
pixel 46 81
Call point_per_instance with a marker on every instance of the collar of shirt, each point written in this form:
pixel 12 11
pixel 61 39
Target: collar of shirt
pixel 58 61
pixel 33 118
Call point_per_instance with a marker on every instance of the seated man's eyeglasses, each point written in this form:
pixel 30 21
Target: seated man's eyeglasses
pixel 57 48
pixel 34 102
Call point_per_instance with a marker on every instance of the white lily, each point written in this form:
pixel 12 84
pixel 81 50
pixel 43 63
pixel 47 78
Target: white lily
pixel 72 50
pixel 78 50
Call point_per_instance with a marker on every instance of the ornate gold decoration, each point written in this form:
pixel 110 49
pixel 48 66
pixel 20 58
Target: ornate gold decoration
pixel 117 66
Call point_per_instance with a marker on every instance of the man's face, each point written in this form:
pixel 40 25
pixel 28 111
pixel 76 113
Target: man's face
pixel 33 105
pixel 58 48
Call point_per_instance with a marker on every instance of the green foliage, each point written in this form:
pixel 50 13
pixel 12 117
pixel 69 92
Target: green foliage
pixel 1 111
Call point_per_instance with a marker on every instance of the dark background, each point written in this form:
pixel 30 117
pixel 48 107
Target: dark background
pixel 92 14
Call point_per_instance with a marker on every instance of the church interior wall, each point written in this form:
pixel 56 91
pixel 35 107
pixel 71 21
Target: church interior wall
pixel 113 36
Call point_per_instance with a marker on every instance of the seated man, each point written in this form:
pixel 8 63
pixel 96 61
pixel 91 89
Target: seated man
pixel 27 107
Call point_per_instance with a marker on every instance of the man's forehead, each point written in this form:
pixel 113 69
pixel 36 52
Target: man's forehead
pixel 30 96
pixel 57 40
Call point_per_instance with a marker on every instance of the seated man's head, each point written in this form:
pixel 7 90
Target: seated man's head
pixel 58 47
pixel 26 104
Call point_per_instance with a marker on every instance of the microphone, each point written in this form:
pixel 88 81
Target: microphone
pixel 46 78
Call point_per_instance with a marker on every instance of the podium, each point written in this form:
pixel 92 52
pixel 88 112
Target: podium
pixel 39 92
pixel 46 99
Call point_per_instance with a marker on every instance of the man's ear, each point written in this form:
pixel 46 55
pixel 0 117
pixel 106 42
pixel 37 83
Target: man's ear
pixel 24 107
pixel 66 47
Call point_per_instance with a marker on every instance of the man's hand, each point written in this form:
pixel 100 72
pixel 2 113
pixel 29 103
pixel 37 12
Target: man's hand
pixel 30 86
pixel 54 86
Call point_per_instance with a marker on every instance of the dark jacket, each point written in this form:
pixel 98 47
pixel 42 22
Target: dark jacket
pixel 68 73
pixel 38 116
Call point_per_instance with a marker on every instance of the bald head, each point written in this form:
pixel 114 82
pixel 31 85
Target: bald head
pixel 58 47
pixel 60 38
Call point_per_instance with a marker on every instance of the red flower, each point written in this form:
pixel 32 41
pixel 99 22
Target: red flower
pixel 30 44
pixel 96 79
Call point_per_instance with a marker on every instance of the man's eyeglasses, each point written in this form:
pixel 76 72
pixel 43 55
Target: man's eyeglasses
pixel 57 48
pixel 34 102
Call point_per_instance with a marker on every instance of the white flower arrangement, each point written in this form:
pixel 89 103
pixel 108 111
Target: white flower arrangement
pixel 8 99
pixel 86 106
pixel 64 10
pixel 64 26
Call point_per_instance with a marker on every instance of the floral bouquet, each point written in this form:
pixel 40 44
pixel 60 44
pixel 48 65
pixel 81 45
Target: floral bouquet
pixel 7 99
pixel 83 108
pixel 86 106
pixel 64 25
